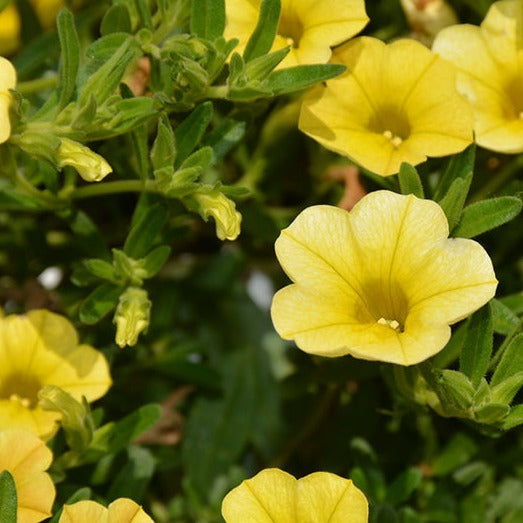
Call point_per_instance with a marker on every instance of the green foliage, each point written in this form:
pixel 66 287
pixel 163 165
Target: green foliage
pixel 8 498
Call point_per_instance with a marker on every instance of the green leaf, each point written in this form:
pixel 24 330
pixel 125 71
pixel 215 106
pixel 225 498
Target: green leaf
pixel 208 18
pixel 143 234
pixel 504 320
pixel 514 418
pixel 156 259
pixel 491 413
pixel 134 477
pixel 505 391
pixel 225 137
pixel 116 20
pixel 261 40
pixel 70 56
pixel 511 362
pixel 475 356
pixel 455 390
pixel 483 216
pixel 410 182
pixel 296 78
pixel 460 166
pixel 105 80
pixel 113 437
pixel 100 268
pixel 199 160
pixel 8 498
pixel 403 486
pixel 163 152
pixel 190 131
pixel 99 303
pixel 452 203
pixel 142 6
pixel 259 68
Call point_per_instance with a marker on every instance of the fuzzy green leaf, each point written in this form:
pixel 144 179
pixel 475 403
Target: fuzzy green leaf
pixel 208 18
pixel 99 303
pixel 116 20
pixel 144 232
pixel 460 166
pixel 70 56
pixel 511 362
pixel 410 182
pixel 483 216
pixel 8 498
pixel 264 34
pixel 296 78
pixel 475 356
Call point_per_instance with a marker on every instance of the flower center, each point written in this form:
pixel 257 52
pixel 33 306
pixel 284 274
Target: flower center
pixel 387 304
pixel 514 90
pixel 391 123
pixel 21 387
pixel 290 28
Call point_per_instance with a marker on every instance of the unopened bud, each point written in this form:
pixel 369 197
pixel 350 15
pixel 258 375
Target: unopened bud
pixel 7 81
pixel 223 210
pixel 132 316
pixel 90 166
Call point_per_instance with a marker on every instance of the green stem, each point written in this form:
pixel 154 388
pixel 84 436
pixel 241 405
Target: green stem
pixel 217 91
pixel 499 180
pixel 104 188
pixel 40 84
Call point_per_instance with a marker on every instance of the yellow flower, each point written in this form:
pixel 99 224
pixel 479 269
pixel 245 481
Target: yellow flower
pixel 382 282
pixel 90 166
pixel 489 60
pixel 310 27
pixel 9 29
pixel 41 348
pixel 27 458
pixel 396 103
pixel 275 496
pixel 123 510
pixel 7 81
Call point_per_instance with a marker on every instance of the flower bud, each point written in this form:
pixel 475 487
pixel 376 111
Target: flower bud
pixel 132 316
pixel 90 166
pixel 10 29
pixel 76 420
pixel 224 212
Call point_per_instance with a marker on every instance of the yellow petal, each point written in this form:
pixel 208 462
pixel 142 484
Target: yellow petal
pixel 26 457
pixel 269 497
pixel 84 512
pixel 42 423
pixel 327 498
pixel 125 510
pixel 10 32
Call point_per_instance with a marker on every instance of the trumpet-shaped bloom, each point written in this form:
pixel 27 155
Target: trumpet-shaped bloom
pixel 310 27
pixel 273 496
pixel 41 348
pixel 27 458
pixel 489 60
pixel 382 282
pixel 123 510
pixel 9 29
pixel 7 81
pixel 396 103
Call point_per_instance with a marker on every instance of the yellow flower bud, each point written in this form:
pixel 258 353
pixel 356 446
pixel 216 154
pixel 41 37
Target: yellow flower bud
pixel 428 17
pixel 132 316
pixel 224 212
pixel 90 166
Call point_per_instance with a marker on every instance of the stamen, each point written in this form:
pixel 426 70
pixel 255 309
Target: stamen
pixel 394 139
pixel 393 324
pixel 23 401
pixel 290 41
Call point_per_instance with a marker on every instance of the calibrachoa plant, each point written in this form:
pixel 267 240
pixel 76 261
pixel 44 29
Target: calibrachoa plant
pixel 260 261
